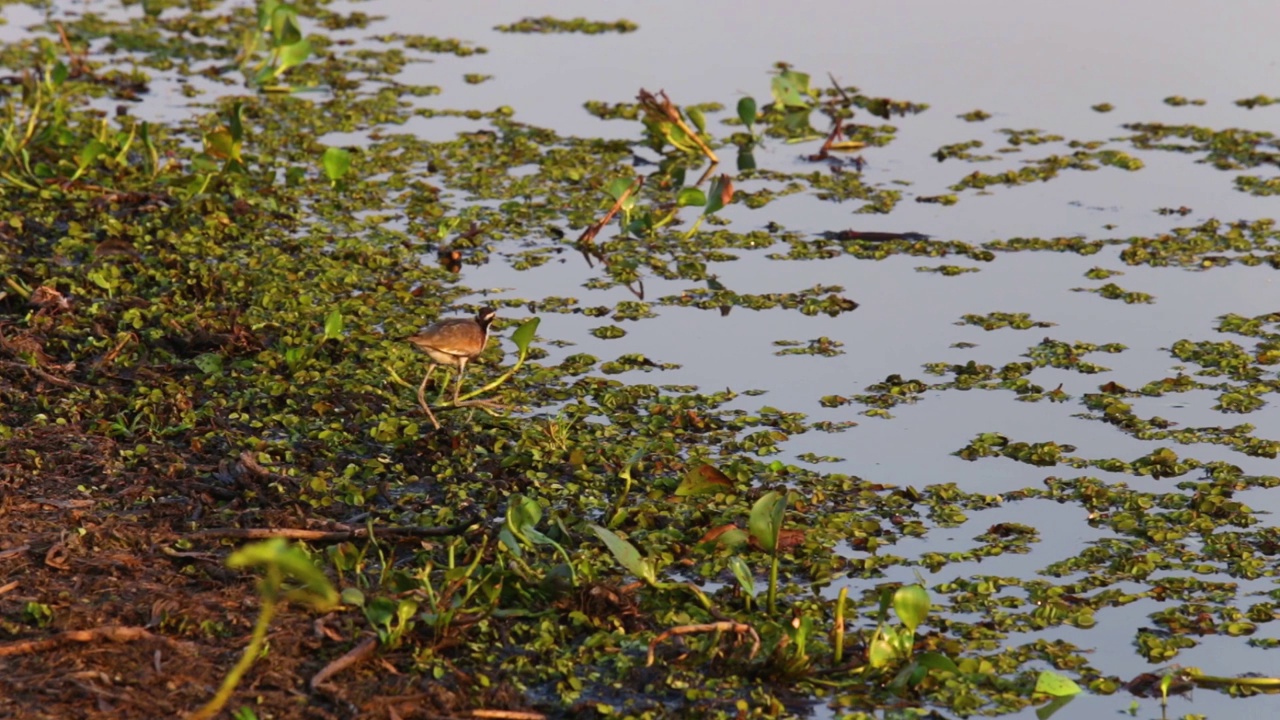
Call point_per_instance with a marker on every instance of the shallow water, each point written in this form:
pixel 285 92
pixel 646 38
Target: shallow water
pixel 1031 68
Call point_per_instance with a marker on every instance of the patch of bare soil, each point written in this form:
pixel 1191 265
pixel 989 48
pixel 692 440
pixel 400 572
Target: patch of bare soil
pixel 115 601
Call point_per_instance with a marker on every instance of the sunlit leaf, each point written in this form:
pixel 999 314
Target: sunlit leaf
pixel 704 480
pixel 791 89
pixel 284 26
pixel 337 161
pixel 293 55
pixel 626 554
pixel 691 196
pixel 697 118
pixel 741 571
pixel 90 152
pixel 721 194
pixel 333 325
pixel 619 186
pixel 1051 683
pixel 292 562
pixel 523 513
pixel 765 521
pixel 911 603
pixel 525 333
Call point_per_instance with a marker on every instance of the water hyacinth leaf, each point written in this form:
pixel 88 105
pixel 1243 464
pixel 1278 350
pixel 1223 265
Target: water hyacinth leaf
pixel 284 26
pixel 524 334
pixel 697 118
pixel 333 325
pixel 619 186
pixel 791 89
pixel 765 521
pixel 293 563
pixel 58 75
pixel 881 652
pixel 747 111
pixel 523 513
pixel 1051 683
pixel 222 145
pixel 626 554
pixel 266 12
pixel 746 160
pixel 937 661
pixel 911 603
pixel 741 571
pixel 293 55
pixel 353 597
pixel 691 196
pixel 721 194
pixel 337 162
pixel 208 363
pixel 704 480
pixel 90 152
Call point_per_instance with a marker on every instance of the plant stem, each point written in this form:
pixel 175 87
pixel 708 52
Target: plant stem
pixel 838 630
pixel 251 653
pixel 773 583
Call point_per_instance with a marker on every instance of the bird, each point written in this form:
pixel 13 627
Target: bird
pixel 455 342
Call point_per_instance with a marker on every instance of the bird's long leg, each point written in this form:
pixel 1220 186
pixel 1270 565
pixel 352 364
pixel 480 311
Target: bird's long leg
pixel 457 387
pixel 422 397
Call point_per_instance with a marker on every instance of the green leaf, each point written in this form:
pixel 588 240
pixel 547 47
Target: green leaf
pixel 691 196
pixel 747 111
pixel 522 514
pixel 352 596
pixel 746 160
pixel 911 603
pixel 337 161
pixel 937 661
pixel 292 56
pixel 697 118
pixel 721 194
pixel 209 363
pixel 626 554
pixel 791 89
pixel 333 325
pixel 293 563
pixel 704 480
pixel 746 578
pixel 235 124
pixel 90 152
pixel 59 73
pixel 220 144
pixel 524 334
pixel 1051 683
pixel 765 521
pixel 266 11
pixel 284 26
pixel 881 652
pixel 618 186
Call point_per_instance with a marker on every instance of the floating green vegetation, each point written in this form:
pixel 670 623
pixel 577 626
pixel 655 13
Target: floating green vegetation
pixel 1112 291
pixel 824 346
pixel 1103 107
pixel 997 320
pixel 547 24
pixel 1257 101
pixel 202 325
pixel 948 270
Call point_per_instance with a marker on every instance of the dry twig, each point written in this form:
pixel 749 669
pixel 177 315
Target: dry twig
pixel 717 627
